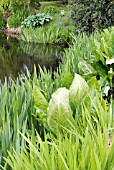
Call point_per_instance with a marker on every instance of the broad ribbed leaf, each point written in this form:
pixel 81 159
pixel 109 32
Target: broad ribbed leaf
pixel 78 91
pixel 86 68
pixel 59 111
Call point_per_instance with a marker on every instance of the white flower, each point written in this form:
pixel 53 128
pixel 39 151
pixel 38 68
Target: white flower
pixel 62 12
pixel 107 88
pixel 110 71
pixel 110 61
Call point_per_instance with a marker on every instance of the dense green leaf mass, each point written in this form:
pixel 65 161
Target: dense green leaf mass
pixel 51 10
pixel 67 80
pixel 91 15
pixel 104 50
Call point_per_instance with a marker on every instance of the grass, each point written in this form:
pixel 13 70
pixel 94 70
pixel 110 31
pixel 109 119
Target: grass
pixel 54 3
pixel 82 153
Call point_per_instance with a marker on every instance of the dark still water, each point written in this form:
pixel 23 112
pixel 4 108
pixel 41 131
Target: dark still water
pixel 16 55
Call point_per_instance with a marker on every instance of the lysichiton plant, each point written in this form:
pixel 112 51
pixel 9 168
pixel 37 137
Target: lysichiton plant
pixel 62 106
pixel 65 103
pixel 78 91
pixel 41 105
pixel 78 149
pixel 59 110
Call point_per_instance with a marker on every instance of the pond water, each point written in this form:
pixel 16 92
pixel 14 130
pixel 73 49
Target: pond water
pixel 16 55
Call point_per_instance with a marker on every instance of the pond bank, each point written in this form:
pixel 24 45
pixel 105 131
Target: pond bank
pixel 17 55
pixel 12 32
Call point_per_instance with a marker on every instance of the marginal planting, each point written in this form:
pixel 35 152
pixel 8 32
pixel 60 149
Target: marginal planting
pixel 56 31
pixel 19 13
pixel 63 119
pixel 104 60
pixel 81 141
pixel 16 109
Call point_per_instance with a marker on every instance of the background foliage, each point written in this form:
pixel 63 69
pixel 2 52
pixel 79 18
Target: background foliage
pixel 52 10
pixel 91 15
pixel 19 13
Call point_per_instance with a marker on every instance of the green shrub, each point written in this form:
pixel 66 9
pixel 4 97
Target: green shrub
pixel 36 20
pixel 14 21
pixel 34 3
pixel 20 12
pixel 51 10
pixel 91 15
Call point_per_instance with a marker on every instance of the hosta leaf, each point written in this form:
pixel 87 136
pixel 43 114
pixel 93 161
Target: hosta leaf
pixel 47 19
pixel 36 20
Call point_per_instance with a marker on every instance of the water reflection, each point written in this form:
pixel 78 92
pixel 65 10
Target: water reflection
pixel 16 55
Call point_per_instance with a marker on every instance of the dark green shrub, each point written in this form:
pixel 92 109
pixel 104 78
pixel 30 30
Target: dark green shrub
pixel 89 15
pixel 64 1
pixel 34 3
pixel 51 10
pixel 36 20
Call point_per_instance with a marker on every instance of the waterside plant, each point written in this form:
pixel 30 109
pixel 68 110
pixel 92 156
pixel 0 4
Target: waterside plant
pixel 84 143
pixel 56 31
pixel 51 120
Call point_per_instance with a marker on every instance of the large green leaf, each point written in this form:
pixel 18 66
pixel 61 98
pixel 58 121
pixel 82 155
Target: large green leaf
pixel 67 80
pixel 78 91
pixel 40 101
pixel 41 104
pixel 59 111
pixel 104 50
pixel 85 68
